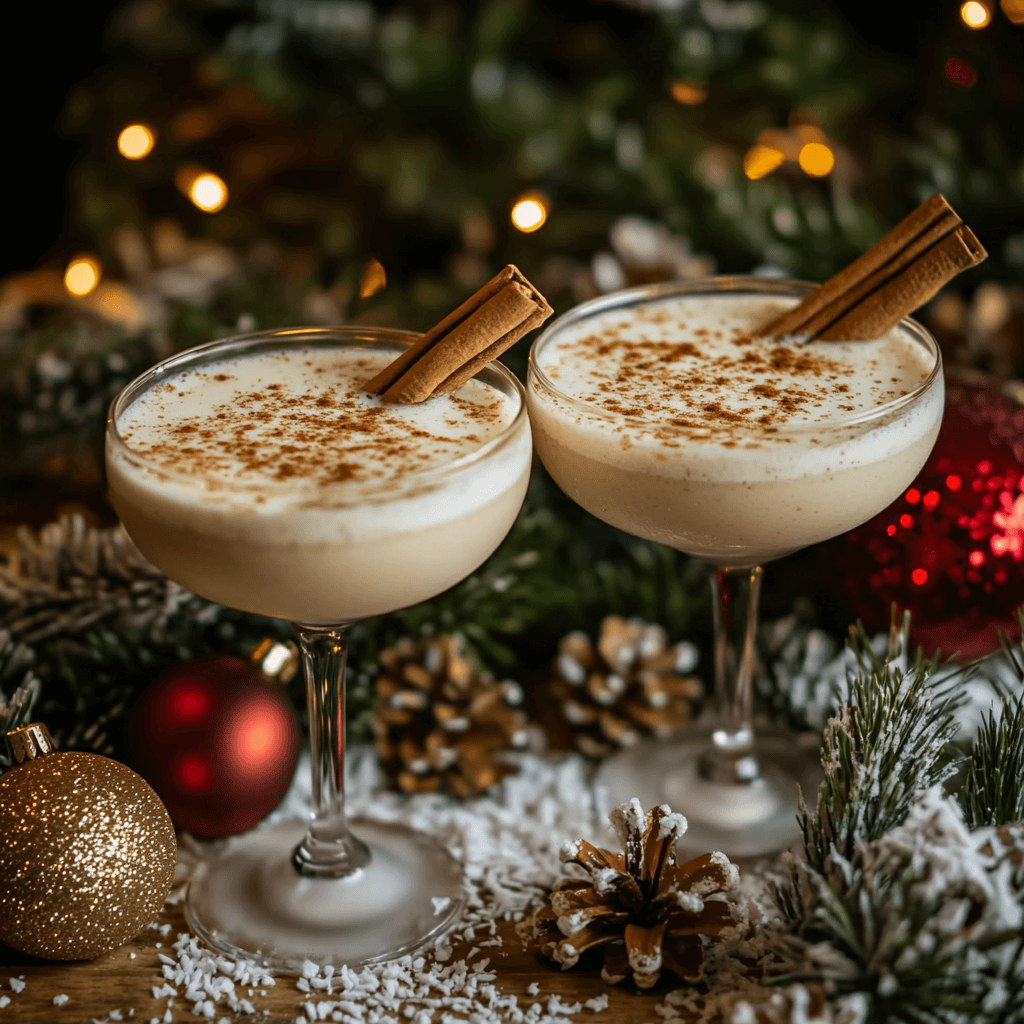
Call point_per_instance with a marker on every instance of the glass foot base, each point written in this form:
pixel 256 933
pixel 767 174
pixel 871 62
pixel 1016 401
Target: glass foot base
pixel 740 820
pixel 249 901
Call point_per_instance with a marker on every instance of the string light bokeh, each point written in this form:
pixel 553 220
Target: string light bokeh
pixel 82 275
pixel 136 142
pixel 803 144
pixel 760 161
pixel 1014 10
pixel 689 93
pixel 974 14
pixel 816 159
pixel 951 548
pixel 529 213
pixel 208 192
pixel 960 73
pixel 373 279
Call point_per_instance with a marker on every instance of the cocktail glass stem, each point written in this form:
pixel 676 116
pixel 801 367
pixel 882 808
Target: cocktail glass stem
pixel 730 758
pixel 329 849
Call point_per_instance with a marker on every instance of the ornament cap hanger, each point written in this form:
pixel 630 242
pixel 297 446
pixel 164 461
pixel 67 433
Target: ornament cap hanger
pixel 276 659
pixel 29 742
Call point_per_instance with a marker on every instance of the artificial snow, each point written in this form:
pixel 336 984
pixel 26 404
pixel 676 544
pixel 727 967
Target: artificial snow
pixel 512 844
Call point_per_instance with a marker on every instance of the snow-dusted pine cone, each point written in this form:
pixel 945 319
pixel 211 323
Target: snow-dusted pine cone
pixel 647 912
pixel 439 724
pixel 629 684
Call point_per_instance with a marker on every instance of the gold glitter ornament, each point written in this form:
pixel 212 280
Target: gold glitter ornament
pixel 87 853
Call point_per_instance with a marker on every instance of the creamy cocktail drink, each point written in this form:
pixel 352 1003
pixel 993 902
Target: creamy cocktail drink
pixel 259 473
pixel 272 482
pixel 669 420
pixel 661 411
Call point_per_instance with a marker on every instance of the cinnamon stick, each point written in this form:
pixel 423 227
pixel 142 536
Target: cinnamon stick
pixel 484 326
pixel 894 277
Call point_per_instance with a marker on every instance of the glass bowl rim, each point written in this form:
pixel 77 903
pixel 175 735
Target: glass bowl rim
pixel 727 283
pixel 361 336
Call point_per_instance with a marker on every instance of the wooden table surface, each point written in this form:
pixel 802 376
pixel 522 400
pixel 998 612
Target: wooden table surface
pixel 118 982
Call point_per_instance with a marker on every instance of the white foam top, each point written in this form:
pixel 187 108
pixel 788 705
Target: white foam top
pixel 292 431
pixel 681 381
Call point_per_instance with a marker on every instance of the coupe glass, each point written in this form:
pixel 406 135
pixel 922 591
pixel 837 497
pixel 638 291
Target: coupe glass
pixel 737 787
pixel 326 888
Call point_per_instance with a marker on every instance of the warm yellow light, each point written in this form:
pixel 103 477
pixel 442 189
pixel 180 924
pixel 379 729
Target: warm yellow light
pixel 974 14
pixel 816 159
pixel 208 192
pixel 529 213
pixel 135 141
pixel 1014 10
pixel 374 278
pixel 761 160
pixel 690 93
pixel 82 275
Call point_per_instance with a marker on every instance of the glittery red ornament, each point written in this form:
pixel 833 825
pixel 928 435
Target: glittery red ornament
pixel 218 740
pixel 951 547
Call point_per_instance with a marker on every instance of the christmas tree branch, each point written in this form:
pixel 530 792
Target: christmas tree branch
pixel 890 739
pixel 924 921
pixel 993 792
pixel 904 943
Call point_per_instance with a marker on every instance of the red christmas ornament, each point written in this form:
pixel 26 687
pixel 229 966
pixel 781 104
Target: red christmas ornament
pixel 218 740
pixel 951 548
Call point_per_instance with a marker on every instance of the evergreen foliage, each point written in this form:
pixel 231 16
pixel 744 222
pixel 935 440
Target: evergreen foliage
pixel 993 791
pixel 887 935
pixel 403 131
pixel 897 900
pixel 889 740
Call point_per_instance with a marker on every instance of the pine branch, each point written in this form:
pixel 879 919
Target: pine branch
pixel 903 942
pixel 924 921
pixel 799 681
pixel 889 740
pixel 993 793
pixel 1012 1011
pixel 90 623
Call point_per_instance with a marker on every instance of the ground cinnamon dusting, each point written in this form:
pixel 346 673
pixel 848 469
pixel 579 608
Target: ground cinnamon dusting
pixel 313 424
pixel 665 375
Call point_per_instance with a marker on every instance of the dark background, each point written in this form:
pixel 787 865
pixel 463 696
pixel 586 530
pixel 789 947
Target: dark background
pixel 64 45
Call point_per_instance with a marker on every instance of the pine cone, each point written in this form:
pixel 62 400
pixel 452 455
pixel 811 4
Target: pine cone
pixel 647 911
pixel 629 684
pixel 439 724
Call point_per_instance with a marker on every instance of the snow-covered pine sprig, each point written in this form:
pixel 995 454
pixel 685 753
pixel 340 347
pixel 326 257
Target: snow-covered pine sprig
pixel 993 791
pixel 924 922
pixel 890 739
